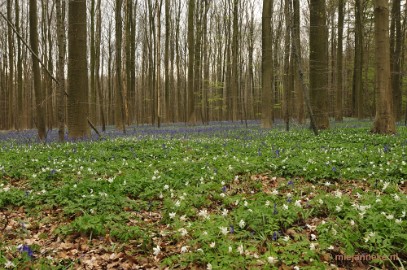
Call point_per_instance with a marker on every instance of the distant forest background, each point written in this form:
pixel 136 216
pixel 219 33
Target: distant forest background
pixel 128 62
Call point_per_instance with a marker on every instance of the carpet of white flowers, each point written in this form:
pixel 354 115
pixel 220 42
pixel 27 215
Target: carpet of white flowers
pixel 206 197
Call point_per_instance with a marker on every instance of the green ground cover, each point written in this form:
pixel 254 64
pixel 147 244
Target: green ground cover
pixel 208 197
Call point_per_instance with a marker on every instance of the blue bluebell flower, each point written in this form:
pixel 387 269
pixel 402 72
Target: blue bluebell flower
pixel 26 249
pixel 275 236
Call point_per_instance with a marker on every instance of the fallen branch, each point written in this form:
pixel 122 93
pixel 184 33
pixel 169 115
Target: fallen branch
pixel 94 128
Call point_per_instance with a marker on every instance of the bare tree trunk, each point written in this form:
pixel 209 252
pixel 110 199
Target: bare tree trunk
pixel 128 45
pixel 179 85
pixel 205 52
pixel 358 66
pixel 297 44
pixel 120 96
pixel 48 36
pixel 20 110
pixel 10 88
pixel 61 70
pixel 92 89
pixel 191 52
pixel 99 79
pixel 110 102
pixel 158 63
pixel 39 101
pixel 250 79
pixel 395 50
pixel 167 110
pixel 384 121
pixel 319 63
pixel 286 76
pixel 78 108
pixel 198 61
pixel 235 43
pixel 267 65
pixel 339 66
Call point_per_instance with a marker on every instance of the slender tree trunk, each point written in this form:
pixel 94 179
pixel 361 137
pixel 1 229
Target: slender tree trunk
pixel 319 63
pixel 100 78
pixel 21 121
pixel 235 57
pixel 92 88
pixel 206 71
pixel 384 121
pixel 339 66
pixel 78 108
pixel 191 55
pixel 297 44
pixel 167 109
pixel 403 52
pixel 110 88
pixel 250 79
pixel 61 70
pixel 198 61
pixel 358 66
pixel 158 91
pixel 39 100
pixel 10 88
pixel 120 96
pixel 179 85
pixel 267 65
pixel 395 50
pixel 128 45
pixel 50 67
pixel 286 76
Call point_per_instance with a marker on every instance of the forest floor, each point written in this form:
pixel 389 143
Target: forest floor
pixel 206 197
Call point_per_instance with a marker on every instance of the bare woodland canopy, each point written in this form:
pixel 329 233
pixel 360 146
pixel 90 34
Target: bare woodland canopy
pixel 121 62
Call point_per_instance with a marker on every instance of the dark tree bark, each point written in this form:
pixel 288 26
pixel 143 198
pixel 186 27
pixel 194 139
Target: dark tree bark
pixel 286 77
pixel 235 57
pixel 39 100
pixel 120 116
pixel 78 108
pixel 319 63
pixel 395 50
pixel 10 87
pixel 357 99
pixel 339 67
pixel 267 66
pixel 191 115
pixel 61 70
pixel 20 120
pixel 92 88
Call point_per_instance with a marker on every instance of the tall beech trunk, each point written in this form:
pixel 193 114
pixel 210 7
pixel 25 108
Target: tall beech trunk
pixel 267 65
pixel 78 108
pixel 191 115
pixel 319 63
pixel 61 70
pixel 384 121
pixel 339 65
pixel 395 50
pixel 39 100
pixel 357 97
